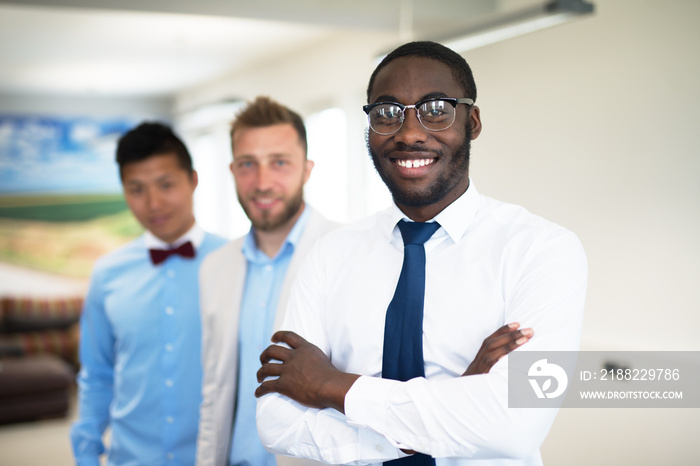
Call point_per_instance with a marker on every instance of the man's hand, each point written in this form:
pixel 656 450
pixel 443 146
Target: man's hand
pixel 304 373
pixel 498 344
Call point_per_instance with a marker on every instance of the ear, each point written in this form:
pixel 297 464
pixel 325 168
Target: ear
pixel 475 121
pixel 230 167
pixel 194 178
pixel 308 166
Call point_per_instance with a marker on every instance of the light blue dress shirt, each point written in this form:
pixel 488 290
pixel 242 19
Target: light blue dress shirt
pixel 264 278
pixel 140 357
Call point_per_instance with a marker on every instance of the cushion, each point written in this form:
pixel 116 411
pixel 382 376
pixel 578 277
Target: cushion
pixel 34 387
pixel 63 343
pixel 33 314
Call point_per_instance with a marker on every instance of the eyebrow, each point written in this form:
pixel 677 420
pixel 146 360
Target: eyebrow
pixel 249 157
pixel 391 98
pixel 136 181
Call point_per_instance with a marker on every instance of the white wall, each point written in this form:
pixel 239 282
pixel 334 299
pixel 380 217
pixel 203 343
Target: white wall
pixel 96 106
pixel 591 125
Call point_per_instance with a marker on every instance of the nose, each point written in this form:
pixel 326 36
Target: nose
pixel 264 179
pixel 154 199
pixel 411 131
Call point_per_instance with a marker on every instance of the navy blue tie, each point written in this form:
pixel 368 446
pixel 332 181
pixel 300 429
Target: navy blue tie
pixel 403 330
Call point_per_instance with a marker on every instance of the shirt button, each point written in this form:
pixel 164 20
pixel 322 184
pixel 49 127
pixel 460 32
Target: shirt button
pixel 169 310
pixel 380 447
pixel 170 456
pixel 268 268
pixel 168 347
pixel 169 420
pixel 168 382
pixel 171 273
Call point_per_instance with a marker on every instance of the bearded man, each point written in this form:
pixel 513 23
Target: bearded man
pixel 246 285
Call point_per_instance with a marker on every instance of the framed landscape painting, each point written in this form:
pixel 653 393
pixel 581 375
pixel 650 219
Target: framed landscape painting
pixel 60 196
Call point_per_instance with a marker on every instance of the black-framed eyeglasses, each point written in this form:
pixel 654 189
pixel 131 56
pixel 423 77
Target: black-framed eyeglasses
pixel 435 114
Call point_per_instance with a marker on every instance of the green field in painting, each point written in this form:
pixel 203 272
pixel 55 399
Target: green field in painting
pixel 61 208
pixel 63 234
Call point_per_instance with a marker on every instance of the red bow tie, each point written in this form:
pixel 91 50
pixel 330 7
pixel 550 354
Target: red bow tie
pixel 159 255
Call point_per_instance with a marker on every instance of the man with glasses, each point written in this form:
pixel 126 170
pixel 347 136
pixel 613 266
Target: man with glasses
pixel 387 313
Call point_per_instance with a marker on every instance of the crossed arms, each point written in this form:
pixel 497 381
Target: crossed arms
pixel 305 374
pixel 320 408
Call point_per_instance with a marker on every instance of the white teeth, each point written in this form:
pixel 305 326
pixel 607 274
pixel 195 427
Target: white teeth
pixel 414 163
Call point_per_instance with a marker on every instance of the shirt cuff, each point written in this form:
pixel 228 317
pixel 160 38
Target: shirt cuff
pixel 364 402
pixel 365 407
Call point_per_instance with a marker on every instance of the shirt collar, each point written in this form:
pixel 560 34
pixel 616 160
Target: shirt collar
pixel 253 254
pixel 454 219
pixel 195 235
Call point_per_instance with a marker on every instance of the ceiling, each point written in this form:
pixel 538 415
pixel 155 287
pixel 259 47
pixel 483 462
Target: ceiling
pixel 160 47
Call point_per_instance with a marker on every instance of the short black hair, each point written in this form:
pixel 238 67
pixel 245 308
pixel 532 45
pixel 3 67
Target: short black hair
pixel 148 139
pixel 459 66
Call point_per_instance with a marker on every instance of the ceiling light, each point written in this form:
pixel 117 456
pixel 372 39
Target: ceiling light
pixel 519 23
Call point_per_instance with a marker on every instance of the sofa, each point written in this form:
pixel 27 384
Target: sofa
pixel 39 340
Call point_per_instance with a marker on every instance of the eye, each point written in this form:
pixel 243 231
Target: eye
pixel 386 114
pixel 134 190
pixel 280 163
pixel 435 110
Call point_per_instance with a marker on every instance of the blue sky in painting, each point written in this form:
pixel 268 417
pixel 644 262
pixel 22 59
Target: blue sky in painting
pixel 51 154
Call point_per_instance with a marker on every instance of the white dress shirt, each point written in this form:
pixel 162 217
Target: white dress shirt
pixel 489 264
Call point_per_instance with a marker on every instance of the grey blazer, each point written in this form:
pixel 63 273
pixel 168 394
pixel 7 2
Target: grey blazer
pixel 221 281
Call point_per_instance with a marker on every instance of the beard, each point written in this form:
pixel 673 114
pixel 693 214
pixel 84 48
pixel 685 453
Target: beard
pixel 451 175
pixel 268 221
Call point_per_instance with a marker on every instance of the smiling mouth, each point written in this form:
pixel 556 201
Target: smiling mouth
pixel 264 202
pixel 160 220
pixel 413 163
